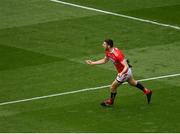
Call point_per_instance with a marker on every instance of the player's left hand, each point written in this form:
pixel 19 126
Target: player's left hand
pixel 120 74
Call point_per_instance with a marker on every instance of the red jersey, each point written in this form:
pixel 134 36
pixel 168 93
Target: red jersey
pixel 116 56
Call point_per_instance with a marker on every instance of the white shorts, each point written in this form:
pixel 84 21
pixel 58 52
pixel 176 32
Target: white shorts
pixel 125 76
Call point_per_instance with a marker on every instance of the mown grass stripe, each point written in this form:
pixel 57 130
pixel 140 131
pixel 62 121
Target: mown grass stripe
pixel 116 14
pixel 81 90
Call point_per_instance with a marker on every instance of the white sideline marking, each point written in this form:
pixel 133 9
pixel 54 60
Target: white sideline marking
pixel 81 90
pixel 116 14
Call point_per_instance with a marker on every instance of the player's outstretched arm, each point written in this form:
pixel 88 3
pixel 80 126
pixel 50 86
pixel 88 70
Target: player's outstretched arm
pixel 98 62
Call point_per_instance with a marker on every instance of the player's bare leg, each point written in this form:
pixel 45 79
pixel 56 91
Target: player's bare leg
pixel 113 90
pixel 137 84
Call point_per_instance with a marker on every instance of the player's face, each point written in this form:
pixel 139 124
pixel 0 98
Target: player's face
pixel 105 45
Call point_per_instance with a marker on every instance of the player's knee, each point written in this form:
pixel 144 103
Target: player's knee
pixel 133 83
pixel 113 88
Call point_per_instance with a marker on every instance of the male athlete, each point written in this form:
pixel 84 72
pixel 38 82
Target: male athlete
pixel 124 71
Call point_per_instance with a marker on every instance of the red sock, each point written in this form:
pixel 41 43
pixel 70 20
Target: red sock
pixel 146 91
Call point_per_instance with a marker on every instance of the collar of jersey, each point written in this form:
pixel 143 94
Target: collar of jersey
pixel 112 50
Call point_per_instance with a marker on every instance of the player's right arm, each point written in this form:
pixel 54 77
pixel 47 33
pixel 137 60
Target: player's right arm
pixel 98 62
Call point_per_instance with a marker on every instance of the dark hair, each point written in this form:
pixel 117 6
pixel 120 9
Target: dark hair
pixel 109 42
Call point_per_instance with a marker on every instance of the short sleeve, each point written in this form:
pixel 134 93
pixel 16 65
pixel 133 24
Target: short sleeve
pixel 120 56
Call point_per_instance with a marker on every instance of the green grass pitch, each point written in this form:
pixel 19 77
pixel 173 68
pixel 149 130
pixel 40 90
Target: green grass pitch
pixel 43 46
